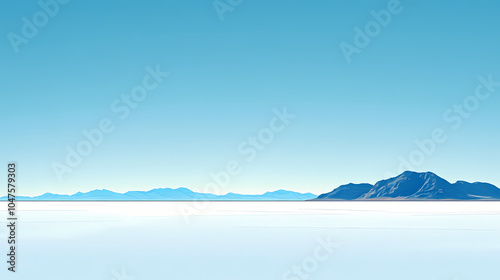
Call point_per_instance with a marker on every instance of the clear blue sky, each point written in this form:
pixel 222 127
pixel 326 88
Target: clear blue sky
pixel 353 120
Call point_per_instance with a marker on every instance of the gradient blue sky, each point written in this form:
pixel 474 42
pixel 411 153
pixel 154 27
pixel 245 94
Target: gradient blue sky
pixel 353 120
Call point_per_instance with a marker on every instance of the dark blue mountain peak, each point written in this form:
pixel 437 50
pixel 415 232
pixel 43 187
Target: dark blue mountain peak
pixel 414 186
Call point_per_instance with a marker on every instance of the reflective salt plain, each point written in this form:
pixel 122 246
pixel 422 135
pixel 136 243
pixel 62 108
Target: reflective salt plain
pixel 255 240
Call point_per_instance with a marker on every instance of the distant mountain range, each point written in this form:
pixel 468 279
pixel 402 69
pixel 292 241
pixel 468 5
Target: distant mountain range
pixel 167 194
pixel 414 186
pixel 407 186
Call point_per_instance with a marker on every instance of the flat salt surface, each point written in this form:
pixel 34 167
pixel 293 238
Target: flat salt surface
pixel 255 240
